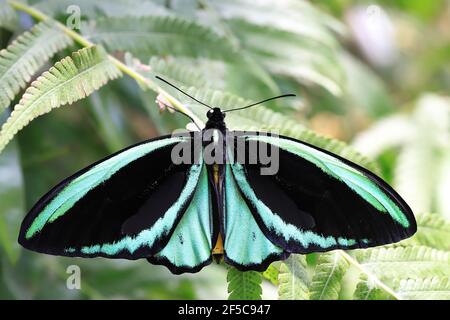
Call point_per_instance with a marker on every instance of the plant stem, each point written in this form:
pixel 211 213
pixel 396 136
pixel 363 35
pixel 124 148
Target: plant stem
pixel 370 276
pixel 38 15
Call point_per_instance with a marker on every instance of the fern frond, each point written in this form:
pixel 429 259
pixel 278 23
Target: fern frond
pixel 8 16
pixel 262 118
pixel 415 261
pixel 431 288
pixel 272 273
pixel 175 70
pixel 433 231
pixel 328 274
pixel 292 56
pixel 293 279
pixel 98 8
pixel 299 17
pixel 244 285
pixel 367 290
pixel 159 35
pixel 170 69
pixel 69 80
pixel 26 55
pixel 302 45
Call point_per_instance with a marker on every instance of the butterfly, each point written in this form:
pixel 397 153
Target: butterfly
pixel 141 203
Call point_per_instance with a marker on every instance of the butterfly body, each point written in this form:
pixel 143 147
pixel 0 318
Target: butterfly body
pixel 216 177
pixel 221 201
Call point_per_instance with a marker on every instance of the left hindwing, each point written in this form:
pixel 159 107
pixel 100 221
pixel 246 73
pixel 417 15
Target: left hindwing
pixel 316 201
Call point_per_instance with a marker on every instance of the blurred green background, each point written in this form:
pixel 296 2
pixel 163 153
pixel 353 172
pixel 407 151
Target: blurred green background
pixel 373 74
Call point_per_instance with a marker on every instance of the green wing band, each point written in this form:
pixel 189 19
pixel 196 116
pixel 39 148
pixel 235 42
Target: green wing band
pixel 277 225
pixel 162 226
pixel 190 244
pixel 245 243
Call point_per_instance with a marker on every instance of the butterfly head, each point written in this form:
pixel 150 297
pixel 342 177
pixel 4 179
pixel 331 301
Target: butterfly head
pixel 215 118
pixel 215 115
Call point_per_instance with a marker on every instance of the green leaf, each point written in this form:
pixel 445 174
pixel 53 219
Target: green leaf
pixel 328 275
pixel 12 204
pixel 292 56
pixel 69 80
pixel 303 46
pixel 293 279
pixel 26 55
pixel 433 231
pixel 171 69
pixel 175 69
pixel 244 285
pixel 8 17
pixel 367 290
pixel 299 17
pixel 272 273
pixel 98 8
pixel 432 288
pixel 159 35
pixel 416 261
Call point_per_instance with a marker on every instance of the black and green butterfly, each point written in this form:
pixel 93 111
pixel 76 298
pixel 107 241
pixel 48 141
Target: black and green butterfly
pixel 138 203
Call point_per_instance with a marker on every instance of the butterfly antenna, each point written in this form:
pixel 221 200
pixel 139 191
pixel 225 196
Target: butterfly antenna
pixel 256 103
pixel 178 111
pixel 183 92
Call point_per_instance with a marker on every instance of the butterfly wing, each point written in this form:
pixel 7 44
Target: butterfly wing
pixel 245 245
pixel 125 206
pixel 317 201
pixel 189 248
